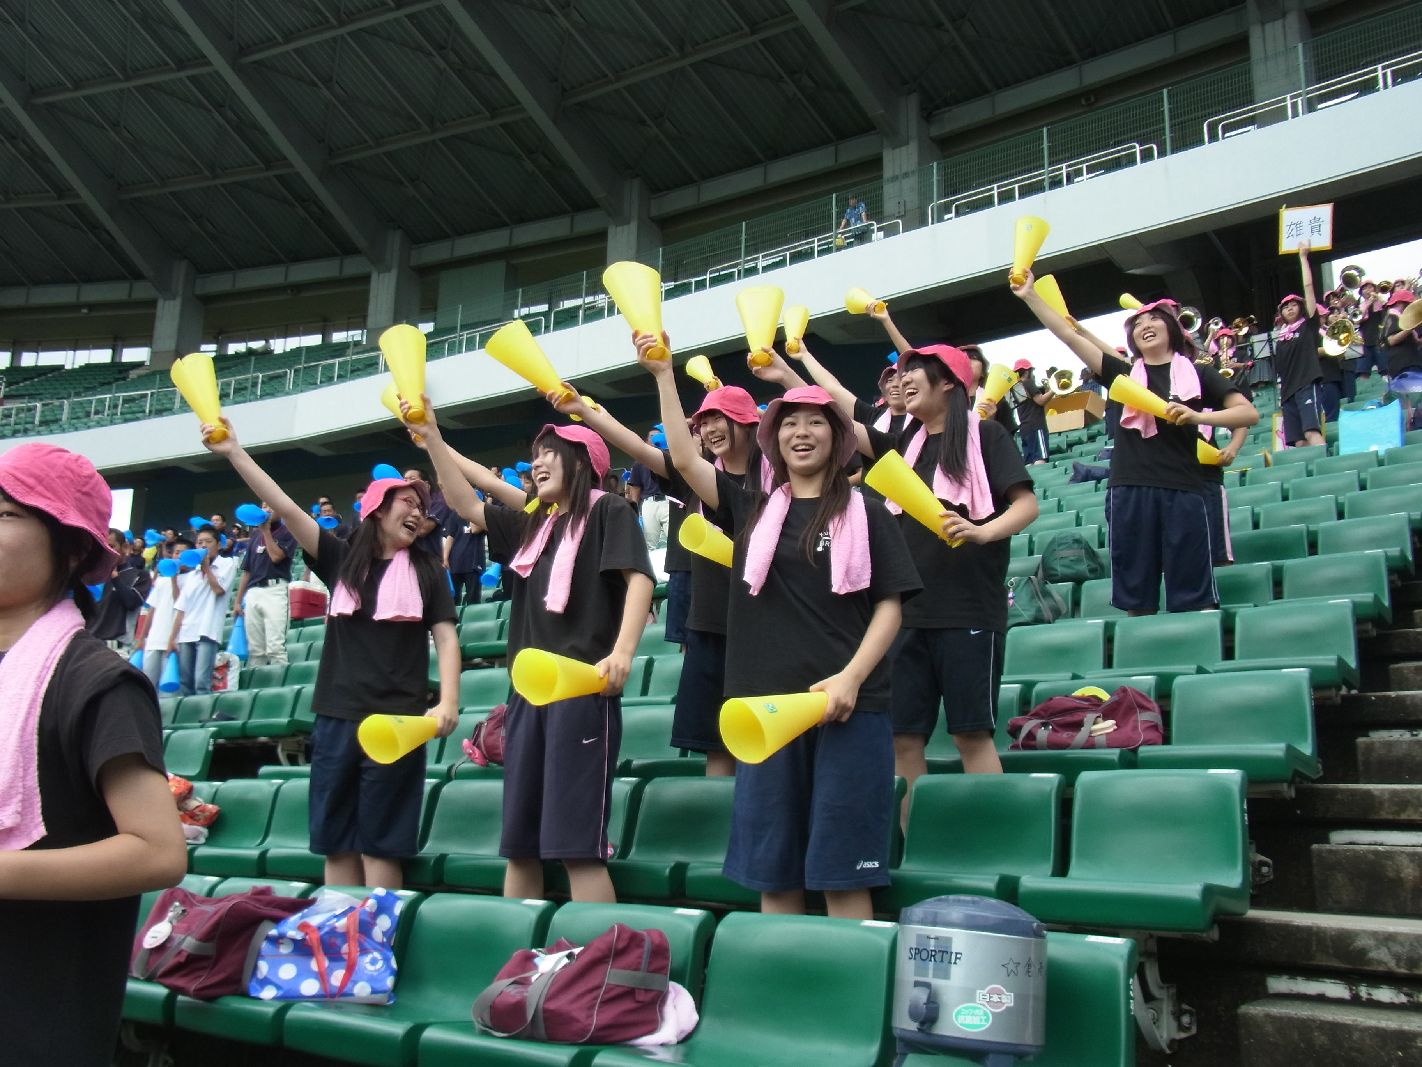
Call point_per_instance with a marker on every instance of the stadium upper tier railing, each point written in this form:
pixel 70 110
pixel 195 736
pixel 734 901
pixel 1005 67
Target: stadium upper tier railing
pixel 1367 57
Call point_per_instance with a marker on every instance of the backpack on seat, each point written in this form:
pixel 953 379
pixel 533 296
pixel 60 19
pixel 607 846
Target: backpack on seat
pixel 1069 558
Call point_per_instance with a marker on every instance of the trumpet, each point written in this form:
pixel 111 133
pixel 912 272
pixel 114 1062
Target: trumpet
pixel 1351 276
pixel 1215 325
pixel 1339 337
pixel 1190 319
pixel 1061 382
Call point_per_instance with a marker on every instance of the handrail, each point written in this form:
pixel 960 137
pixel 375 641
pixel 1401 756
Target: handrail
pixel 768 258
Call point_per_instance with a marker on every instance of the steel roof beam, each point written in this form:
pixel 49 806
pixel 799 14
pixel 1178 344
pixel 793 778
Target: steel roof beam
pixel 354 215
pixel 853 64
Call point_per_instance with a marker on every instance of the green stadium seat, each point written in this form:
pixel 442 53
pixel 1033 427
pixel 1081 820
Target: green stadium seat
pixel 1358 577
pixel 826 1000
pixel 680 822
pixel 188 753
pixel 483 639
pixel 1271 546
pixel 1176 864
pixel 446 754
pixel 1168 645
pixel 1255 496
pixel 1095 602
pixel 1394 474
pixel 288 836
pixel 485 688
pixel 1068 763
pixel 481 612
pixel 1394 500
pixel 1109 681
pixel 1312 512
pixel 1265 475
pixel 1093 516
pixel 454 946
pixel 149 1002
pixel 654 680
pixel 946 852
pixel 194 710
pixel 230 712
pixel 468 832
pixel 1334 485
pixel 1080 492
pixel 1023 566
pixel 1241 520
pixel 268 677
pixel 646 750
pixel 1061 520
pixel 1322 639
pixel 1019 545
pixel 1302 456
pixel 1257 722
pixel 1071 648
pixel 1411 452
pixel 273 713
pixel 233 845
pixel 1244 585
pixel 167 709
pixel 279 886
pixel 1089 1002
pixel 654 643
pixel 1389 533
pixel 1361 462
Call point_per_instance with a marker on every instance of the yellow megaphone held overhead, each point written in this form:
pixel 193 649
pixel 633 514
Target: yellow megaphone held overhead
pixel 797 321
pixel 759 308
pixel 386 738
pixel 196 378
pixel 1132 394
pixel 1051 294
pixel 1128 302
pixel 1027 237
pixel 698 368
pixel 706 539
pixel 1000 380
pixel 544 678
pixel 893 479
pixel 513 345
pixel 390 399
pixel 404 349
pixel 858 302
pixel 755 728
pixel 637 290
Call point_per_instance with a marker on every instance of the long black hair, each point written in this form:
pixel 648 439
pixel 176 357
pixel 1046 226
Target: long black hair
pixel 1173 331
pixel 577 477
pixel 72 554
pixel 952 458
pixel 834 489
pixel 753 455
pixel 365 550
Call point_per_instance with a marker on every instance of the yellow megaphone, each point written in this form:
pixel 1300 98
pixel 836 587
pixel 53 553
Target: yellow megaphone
pixel 404 349
pixel 637 290
pixel 196 378
pixel 706 539
pixel 1000 379
pixel 544 678
pixel 759 308
pixel 755 728
pixel 591 403
pixel 390 399
pixel 1027 237
pixel 698 368
pixel 893 479
pixel 385 738
pixel 1129 303
pixel 1051 294
pixel 858 302
pixel 1131 393
pixel 1207 454
pixel 513 345
pixel 797 321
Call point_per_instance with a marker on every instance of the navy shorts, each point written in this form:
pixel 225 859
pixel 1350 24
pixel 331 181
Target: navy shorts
pixel 678 604
pixel 358 805
pixel 1160 533
pixel 559 763
pixel 1034 445
pixel 1301 413
pixel 819 813
pixel 1217 509
pixel 1330 398
pixel 957 669
pixel 696 722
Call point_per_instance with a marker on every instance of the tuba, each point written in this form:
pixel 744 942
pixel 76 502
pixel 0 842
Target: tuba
pixel 1339 337
pixel 1384 288
pixel 1061 382
pixel 1351 276
pixel 1190 320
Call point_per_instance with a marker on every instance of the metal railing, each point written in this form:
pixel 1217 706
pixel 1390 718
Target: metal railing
pixel 1313 98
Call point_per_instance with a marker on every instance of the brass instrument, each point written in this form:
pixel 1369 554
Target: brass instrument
pixel 1351 276
pixel 1243 325
pixel 1339 337
pixel 1411 317
pixel 1061 382
pixel 1204 359
pixel 1215 325
pixel 1384 287
pixel 1227 373
pixel 1190 320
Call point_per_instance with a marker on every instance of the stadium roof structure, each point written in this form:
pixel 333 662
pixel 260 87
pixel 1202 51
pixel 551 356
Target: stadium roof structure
pixel 136 134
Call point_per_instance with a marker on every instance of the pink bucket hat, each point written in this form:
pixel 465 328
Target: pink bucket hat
pixel 1021 365
pixel 1400 296
pixel 65 486
pixel 594 445
pixel 731 401
pixel 376 492
pixel 955 359
pixel 814 396
pixel 888 374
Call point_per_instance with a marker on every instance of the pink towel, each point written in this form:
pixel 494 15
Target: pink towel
pixel 850 566
pixel 885 418
pixel 560 581
pixel 25 673
pixel 1287 333
pixel 971 492
pixel 398 599
pixel 1184 386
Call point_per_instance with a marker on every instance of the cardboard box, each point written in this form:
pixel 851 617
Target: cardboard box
pixel 1075 410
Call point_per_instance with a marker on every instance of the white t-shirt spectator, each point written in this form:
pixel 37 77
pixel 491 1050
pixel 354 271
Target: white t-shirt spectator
pixel 205 612
pixel 160 622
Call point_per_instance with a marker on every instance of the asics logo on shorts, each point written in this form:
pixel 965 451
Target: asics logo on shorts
pixel 867 865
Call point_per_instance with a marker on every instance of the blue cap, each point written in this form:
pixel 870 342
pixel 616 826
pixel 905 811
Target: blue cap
pixel 383 470
pixel 167 568
pixel 251 515
pixel 327 522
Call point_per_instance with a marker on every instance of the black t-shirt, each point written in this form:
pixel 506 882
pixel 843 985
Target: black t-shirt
pixel 1330 367
pixel 679 499
pixel 798 631
pixel 1370 326
pixel 642 478
pixel 869 414
pixel 123 594
pixel 588 626
pixel 1031 416
pixel 370 667
pixel 1296 360
pixel 962 587
pixel 433 542
pixel 1407 355
pixel 1170 459
pixel 65 960
pixel 711 582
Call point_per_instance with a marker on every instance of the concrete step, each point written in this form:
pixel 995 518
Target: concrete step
pixel 1368 879
pixel 1385 806
pixel 1396 644
pixel 1408 595
pixel 1282 1032
pixel 1319 942
pixel 1406 675
pixel 1391 757
pixel 1366 711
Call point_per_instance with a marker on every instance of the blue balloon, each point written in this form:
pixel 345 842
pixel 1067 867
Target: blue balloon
pixel 383 470
pixel 251 515
pixel 492 573
pixel 523 466
pixel 167 568
pixel 192 557
pixel 328 522
pixel 221 540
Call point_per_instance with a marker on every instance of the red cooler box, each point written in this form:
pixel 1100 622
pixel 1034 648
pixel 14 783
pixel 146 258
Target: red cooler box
pixel 307 603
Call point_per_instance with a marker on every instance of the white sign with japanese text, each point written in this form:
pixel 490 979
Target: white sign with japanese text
pixel 1311 225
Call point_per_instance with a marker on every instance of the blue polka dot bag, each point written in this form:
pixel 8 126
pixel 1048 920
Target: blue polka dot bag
pixel 338 949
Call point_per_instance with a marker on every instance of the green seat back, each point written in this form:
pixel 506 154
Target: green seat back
pixel 1061 520
pixel 654 643
pixel 274 703
pixel 246 805
pixel 1076 490
pixel 301 710
pixel 301 674
pixel 1265 546
pixel 235 706
pixel 1191 637
pixel 1241 520
pixel 663 677
pixel 1311 512
pixel 1020 544
pixel 1302 456
pixel 468 818
pixel 1248 707
pixel 1394 500
pixel 1335 485
pixel 1340 574
pixel 484 688
pixel 482 628
pixel 1245 584
pixel 1093 516
pixel 281 887
pixel 683 819
pixel 1408 453
pixel 1360 462
pixel 1145 682
pixel 269 676
pixel 1390 533
pixel 289 826
pixel 188 753
pixel 1264 475
pixel 1394 474
pixel 1073 646
pixel 479 612
pixel 1256 495
pixel 646 732
pixel 1023 566
pixel 940 837
pixel 688 933
pixel 194 709
pixel 1095 602
pixel 1278 631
